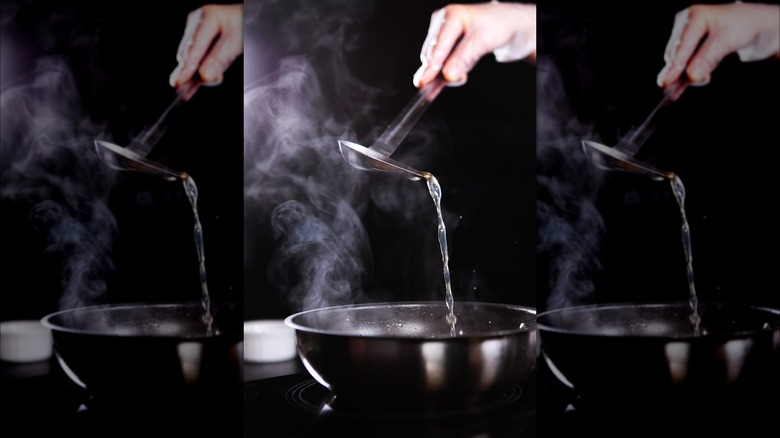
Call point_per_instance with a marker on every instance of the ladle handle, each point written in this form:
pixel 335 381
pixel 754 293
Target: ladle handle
pixel 631 143
pixel 144 142
pixel 388 142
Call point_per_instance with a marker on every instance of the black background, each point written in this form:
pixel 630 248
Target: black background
pixel 121 54
pixel 715 138
pixel 480 148
pixel 615 237
pixel 609 62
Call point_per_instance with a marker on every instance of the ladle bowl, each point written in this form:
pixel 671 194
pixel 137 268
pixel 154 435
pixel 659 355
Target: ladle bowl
pixel 363 158
pixel 607 158
pixel 120 158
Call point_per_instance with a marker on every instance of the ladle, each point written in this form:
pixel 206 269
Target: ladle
pixel 388 142
pixel 124 158
pixel 621 156
pixel 376 156
pixel 608 158
pixel 133 157
pixel 364 158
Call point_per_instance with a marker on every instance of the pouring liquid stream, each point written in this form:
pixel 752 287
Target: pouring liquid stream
pixel 192 194
pixel 435 190
pixel 679 193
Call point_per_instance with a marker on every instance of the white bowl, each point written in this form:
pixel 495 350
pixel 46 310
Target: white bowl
pixel 268 340
pixel 24 341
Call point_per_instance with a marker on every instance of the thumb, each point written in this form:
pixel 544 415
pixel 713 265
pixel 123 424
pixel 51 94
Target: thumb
pixel 465 56
pixel 706 59
pixel 219 59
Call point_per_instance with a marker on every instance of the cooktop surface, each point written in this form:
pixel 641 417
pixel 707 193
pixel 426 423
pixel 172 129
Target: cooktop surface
pixel 296 405
pixel 38 399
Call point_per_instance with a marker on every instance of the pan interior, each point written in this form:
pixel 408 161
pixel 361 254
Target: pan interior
pixel 659 320
pixel 416 320
pixel 182 320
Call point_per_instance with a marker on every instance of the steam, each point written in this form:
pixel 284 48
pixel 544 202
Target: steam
pixel 326 251
pixel 296 177
pixel 49 164
pixel 298 188
pixel 570 226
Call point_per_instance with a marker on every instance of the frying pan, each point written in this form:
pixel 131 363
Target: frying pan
pixel 131 356
pixel 645 357
pixel 404 352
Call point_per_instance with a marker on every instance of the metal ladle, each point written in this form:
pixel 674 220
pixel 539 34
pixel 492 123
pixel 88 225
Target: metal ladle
pixel 376 156
pixel 125 158
pixel 133 157
pixel 363 158
pixel 608 158
pixel 621 156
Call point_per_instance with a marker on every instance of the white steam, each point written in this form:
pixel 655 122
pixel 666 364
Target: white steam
pixel 49 164
pixel 570 227
pixel 299 190
pixel 296 176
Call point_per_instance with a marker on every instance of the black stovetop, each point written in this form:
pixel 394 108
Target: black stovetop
pixel 38 399
pixel 298 406
pixel 283 400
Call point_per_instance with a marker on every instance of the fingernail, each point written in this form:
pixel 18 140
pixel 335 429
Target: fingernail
pixel 207 74
pixel 700 81
pixel 454 77
pixel 696 74
pixel 174 75
pixel 418 75
pixel 457 83
pixel 662 75
pixel 210 73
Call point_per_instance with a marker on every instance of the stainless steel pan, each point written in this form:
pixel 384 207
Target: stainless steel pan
pixel 148 356
pixel 645 357
pixel 405 352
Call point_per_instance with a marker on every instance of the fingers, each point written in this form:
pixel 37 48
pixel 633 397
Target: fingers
pixel 221 56
pixel 461 34
pixel 434 49
pixel 212 40
pixel 692 28
pixel 204 36
pixel 452 30
pixel 712 32
pixel 193 21
pixel 229 45
pixel 680 20
pixel 465 56
pixel 696 30
pixel 709 55
pixel 184 71
pixel 447 27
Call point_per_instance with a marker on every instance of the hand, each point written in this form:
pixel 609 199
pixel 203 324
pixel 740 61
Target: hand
pixel 213 39
pixel 459 35
pixel 703 35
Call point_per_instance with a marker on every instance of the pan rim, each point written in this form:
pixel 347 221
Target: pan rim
pixel 48 320
pixel 542 326
pixel 531 311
